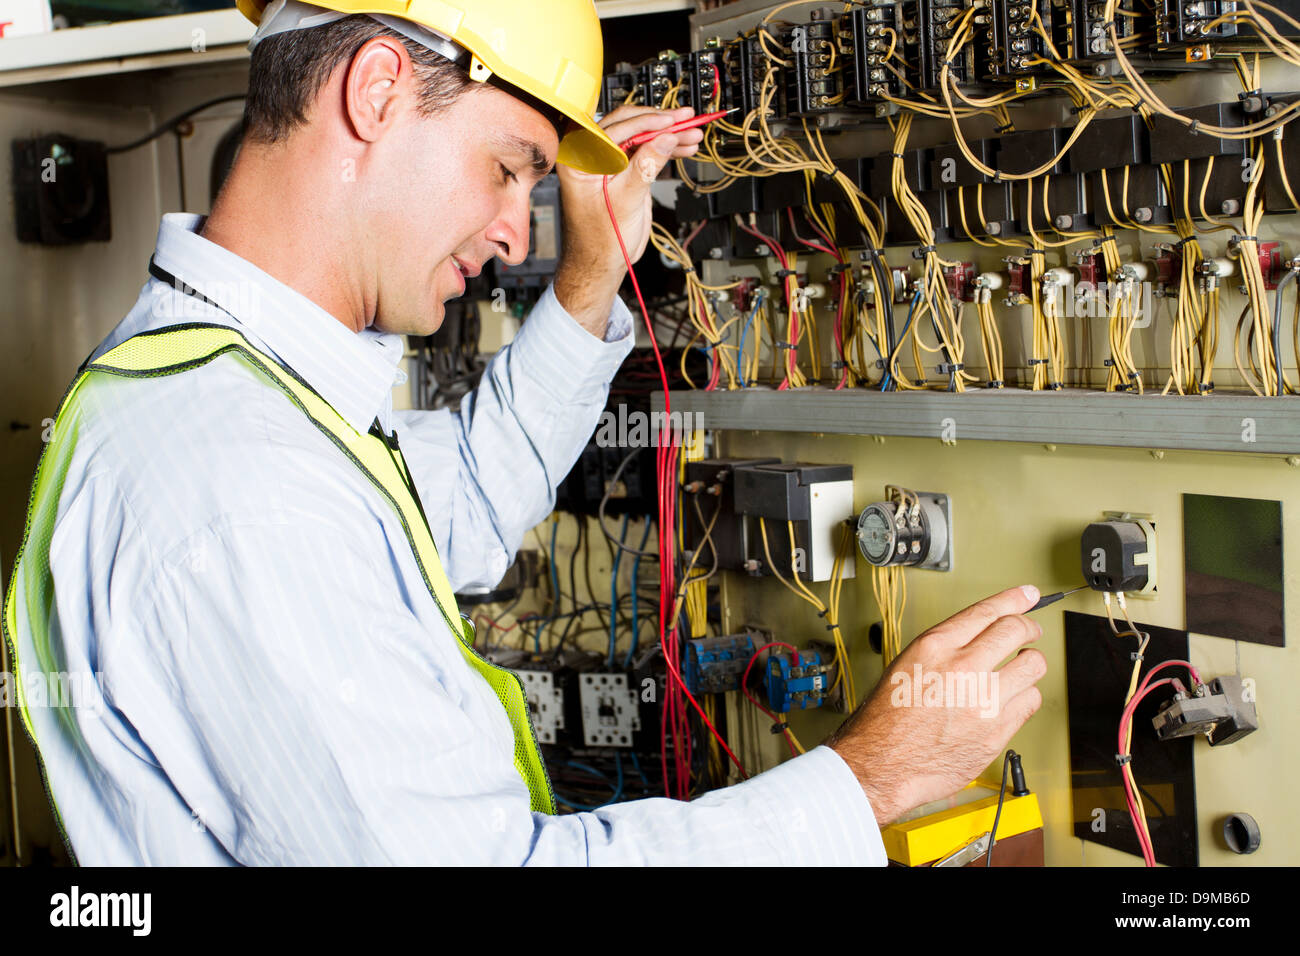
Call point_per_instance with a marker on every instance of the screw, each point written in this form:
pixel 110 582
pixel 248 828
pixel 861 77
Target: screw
pixel 1142 213
pixel 993 228
pixel 1230 207
pixel 1063 222
pixel 715 252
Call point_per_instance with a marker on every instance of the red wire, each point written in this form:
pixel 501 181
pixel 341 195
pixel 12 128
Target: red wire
pixel 839 328
pixel 811 245
pixel 667 460
pixel 1148 852
pixel 744 686
pixel 693 233
pixel 785 265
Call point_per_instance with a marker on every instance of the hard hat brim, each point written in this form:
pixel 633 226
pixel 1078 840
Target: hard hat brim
pixel 589 149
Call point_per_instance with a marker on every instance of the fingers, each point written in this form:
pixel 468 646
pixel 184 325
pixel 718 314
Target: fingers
pixel 621 113
pixel 623 126
pixel 1017 711
pixel 964 626
pixel 1001 639
pixel 650 158
pixel 1021 673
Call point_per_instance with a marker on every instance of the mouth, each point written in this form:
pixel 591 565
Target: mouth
pixel 464 270
pixel 461 273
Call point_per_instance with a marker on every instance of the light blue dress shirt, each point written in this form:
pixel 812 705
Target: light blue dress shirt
pixel 275 684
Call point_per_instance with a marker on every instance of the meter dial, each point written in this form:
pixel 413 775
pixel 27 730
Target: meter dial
pixel 876 534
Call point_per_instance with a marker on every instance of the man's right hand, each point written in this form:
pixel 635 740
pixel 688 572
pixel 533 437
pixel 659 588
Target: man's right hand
pixel 911 743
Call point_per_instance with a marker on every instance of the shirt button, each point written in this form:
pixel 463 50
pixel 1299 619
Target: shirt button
pixel 400 377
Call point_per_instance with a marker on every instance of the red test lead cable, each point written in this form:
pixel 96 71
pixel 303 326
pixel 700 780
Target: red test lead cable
pixel 667 459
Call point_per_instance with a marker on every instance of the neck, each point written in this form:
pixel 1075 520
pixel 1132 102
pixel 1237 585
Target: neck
pixel 287 219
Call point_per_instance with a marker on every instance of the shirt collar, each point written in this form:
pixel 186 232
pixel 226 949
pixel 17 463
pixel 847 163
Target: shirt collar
pixel 354 371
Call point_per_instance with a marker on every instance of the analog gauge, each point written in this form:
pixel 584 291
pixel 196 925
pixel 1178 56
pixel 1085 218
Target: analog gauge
pixel 876 534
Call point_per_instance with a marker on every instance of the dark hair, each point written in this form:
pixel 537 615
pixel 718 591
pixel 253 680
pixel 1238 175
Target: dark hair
pixel 289 69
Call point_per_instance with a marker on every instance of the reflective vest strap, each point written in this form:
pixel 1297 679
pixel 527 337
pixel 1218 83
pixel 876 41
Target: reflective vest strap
pixel 180 348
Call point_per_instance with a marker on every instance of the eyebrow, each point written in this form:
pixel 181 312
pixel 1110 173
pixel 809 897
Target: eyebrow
pixel 536 157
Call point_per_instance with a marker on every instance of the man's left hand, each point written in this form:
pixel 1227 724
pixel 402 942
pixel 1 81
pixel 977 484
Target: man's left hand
pixel 591 265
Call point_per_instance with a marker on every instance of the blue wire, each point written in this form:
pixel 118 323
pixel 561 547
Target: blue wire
pixel 614 797
pixel 613 591
pixel 636 762
pixel 740 356
pixel 636 566
pixel 911 310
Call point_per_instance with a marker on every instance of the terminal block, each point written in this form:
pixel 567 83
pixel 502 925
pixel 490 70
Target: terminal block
pixel 1222 710
pixel 716 665
pixel 797 681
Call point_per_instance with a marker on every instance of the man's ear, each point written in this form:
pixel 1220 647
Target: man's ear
pixel 371 86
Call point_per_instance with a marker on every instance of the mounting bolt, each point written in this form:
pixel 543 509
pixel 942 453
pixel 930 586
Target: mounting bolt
pixel 993 228
pixel 715 252
pixel 1142 213
pixel 1230 207
pixel 1063 222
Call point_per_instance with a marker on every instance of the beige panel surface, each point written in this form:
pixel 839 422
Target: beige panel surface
pixel 1018 512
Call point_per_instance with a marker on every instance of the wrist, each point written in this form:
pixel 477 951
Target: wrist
pixel 587 292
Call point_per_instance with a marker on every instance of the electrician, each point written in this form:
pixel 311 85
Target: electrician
pixel 227 533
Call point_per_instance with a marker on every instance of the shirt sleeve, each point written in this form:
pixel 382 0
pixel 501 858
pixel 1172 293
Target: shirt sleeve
pixel 492 468
pixel 307 718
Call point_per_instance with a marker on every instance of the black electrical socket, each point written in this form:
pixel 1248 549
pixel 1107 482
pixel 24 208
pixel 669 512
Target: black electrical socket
pixel 60 190
pixel 1110 552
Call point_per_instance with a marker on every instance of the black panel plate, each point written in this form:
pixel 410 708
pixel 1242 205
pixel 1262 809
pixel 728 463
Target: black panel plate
pixel 1235 586
pixel 1098 669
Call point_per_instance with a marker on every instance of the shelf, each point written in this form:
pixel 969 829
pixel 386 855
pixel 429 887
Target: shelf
pixel 134 45
pixel 1073 417
pixel 125 47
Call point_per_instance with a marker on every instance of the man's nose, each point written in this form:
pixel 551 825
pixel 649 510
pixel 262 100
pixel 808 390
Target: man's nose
pixel 510 231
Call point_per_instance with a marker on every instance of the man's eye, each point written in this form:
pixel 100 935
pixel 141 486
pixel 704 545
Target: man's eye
pixel 507 175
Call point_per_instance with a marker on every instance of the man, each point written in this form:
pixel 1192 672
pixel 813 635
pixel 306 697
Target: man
pixel 237 549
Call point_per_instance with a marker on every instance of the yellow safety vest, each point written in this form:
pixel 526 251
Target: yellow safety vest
pixel 180 348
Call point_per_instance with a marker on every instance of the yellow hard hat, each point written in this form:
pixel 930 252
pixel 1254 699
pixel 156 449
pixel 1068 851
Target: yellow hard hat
pixel 550 50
